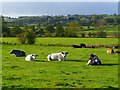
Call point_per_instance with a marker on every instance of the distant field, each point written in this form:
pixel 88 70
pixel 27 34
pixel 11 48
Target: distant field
pixel 67 41
pixel 72 73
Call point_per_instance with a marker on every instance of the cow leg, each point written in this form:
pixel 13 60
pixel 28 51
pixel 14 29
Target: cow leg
pixel 17 55
pixel 59 59
pixel 48 60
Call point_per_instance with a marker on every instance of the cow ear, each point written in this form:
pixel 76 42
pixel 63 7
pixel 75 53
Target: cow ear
pixel 66 52
pixel 62 52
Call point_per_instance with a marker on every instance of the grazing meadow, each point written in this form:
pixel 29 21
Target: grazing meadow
pixel 71 73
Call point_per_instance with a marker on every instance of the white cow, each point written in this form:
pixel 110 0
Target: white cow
pixel 57 56
pixel 31 57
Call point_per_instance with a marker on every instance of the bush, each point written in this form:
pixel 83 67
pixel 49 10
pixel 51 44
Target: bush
pixel 21 38
pixel 27 37
pixel 101 34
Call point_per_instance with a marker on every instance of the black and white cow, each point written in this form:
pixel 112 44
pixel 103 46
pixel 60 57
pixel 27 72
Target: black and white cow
pixel 18 53
pixel 94 60
pixel 57 56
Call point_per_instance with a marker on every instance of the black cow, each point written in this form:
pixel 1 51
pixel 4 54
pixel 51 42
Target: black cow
pixel 18 53
pixel 82 45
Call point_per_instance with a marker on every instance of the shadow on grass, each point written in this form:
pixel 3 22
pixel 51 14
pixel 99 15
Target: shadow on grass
pixel 76 60
pixel 109 64
pixel 59 61
pixel 39 61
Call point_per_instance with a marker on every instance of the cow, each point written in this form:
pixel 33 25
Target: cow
pixel 110 51
pixel 76 46
pixel 18 53
pixel 82 45
pixel 94 60
pixel 31 57
pixel 57 56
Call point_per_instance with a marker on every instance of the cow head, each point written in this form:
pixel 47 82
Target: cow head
pixel 64 53
pixel 34 56
pixel 12 51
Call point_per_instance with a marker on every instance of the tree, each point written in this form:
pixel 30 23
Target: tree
pixel 94 19
pixel 50 28
pixel 117 20
pixel 110 20
pixel 15 31
pixel 100 26
pixel 27 37
pixel 101 34
pixel 21 38
pixel 39 32
pixel 59 31
pixel 90 34
pixel 72 29
pixel 101 23
pixel 5 29
pixel 0 26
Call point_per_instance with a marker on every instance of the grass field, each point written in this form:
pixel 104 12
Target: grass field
pixel 72 73
pixel 67 41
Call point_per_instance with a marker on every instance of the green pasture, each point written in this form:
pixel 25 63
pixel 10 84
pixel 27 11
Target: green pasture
pixel 71 73
pixel 67 41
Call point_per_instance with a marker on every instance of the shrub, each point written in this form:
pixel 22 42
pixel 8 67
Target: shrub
pixel 101 34
pixel 21 38
pixel 27 37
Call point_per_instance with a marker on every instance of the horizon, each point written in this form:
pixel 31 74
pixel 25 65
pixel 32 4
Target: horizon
pixel 17 9
pixel 50 15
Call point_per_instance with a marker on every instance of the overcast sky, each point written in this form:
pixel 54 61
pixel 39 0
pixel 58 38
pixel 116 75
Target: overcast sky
pixel 60 0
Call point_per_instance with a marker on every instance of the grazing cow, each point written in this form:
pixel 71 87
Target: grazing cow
pixel 110 51
pixel 94 60
pixel 57 56
pixel 31 57
pixel 18 53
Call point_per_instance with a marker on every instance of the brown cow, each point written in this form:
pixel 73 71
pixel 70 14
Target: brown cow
pixel 110 51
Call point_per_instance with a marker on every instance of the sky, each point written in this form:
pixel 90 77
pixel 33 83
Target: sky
pixel 16 9
pixel 60 0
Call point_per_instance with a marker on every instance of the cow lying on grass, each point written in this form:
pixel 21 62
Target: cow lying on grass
pixel 18 53
pixel 94 60
pixel 57 56
pixel 110 51
pixel 31 57
pixel 82 45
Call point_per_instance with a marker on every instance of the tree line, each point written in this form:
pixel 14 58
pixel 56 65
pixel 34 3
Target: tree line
pixel 59 26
